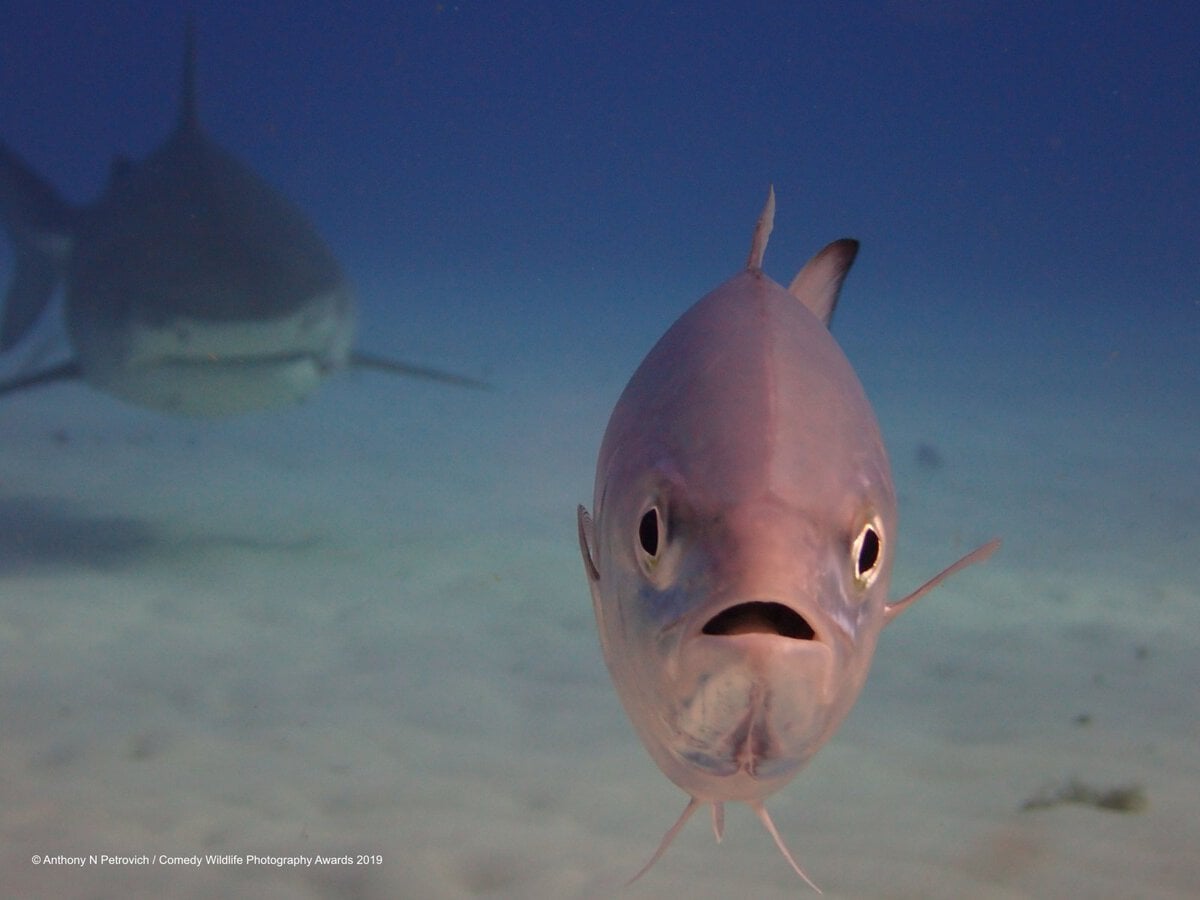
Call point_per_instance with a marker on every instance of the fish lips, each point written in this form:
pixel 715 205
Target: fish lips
pixel 754 684
pixel 767 617
pixel 781 647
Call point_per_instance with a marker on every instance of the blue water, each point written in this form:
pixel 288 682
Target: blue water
pixel 360 626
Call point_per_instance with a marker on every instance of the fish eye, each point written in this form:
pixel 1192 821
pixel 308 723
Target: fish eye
pixel 648 532
pixel 867 550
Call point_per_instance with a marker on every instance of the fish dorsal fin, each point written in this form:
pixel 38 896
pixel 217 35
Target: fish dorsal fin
pixel 187 100
pixel 820 281
pixel 762 232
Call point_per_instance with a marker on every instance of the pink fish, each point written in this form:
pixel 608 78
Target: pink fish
pixel 743 538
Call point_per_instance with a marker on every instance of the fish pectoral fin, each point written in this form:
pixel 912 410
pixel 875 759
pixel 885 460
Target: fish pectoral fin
pixel 688 812
pixel 395 367
pixel 585 543
pixel 979 554
pixel 765 818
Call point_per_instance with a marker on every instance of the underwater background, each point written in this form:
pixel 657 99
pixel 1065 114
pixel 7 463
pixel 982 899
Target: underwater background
pixel 360 626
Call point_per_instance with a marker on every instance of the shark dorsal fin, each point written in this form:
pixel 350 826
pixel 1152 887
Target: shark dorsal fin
pixel 187 100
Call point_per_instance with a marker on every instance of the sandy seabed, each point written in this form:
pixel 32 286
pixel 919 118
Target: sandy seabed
pixel 360 628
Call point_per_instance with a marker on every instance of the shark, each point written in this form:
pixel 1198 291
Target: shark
pixel 742 538
pixel 190 286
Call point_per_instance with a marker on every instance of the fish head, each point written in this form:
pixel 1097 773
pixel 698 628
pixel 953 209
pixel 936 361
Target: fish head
pixel 741 549
pixel 742 542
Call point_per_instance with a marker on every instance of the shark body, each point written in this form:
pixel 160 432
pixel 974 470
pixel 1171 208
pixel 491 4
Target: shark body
pixel 191 286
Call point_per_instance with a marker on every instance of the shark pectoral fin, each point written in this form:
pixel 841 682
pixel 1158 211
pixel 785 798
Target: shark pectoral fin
pixel 765 818
pixel 818 284
pixel 64 372
pixel 395 367
pixel 687 813
pixel 979 554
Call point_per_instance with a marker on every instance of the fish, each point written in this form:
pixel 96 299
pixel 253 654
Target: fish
pixel 191 286
pixel 743 538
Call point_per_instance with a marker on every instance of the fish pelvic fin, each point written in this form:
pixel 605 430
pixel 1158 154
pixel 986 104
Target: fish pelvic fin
pixel 718 823
pixel 765 818
pixel 688 812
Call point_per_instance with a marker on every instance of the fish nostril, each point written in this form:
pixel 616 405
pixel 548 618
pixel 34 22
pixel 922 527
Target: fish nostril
pixel 760 617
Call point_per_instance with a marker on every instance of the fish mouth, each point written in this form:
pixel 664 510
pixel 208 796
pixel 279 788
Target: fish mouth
pixel 760 617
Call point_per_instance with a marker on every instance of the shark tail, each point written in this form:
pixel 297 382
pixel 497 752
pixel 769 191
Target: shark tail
pixel 38 222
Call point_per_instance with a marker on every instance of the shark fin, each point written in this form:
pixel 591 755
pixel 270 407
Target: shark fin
pixel 64 372
pixel 395 367
pixel 38 222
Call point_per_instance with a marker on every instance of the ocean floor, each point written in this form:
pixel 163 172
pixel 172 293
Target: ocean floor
pixel 361 628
